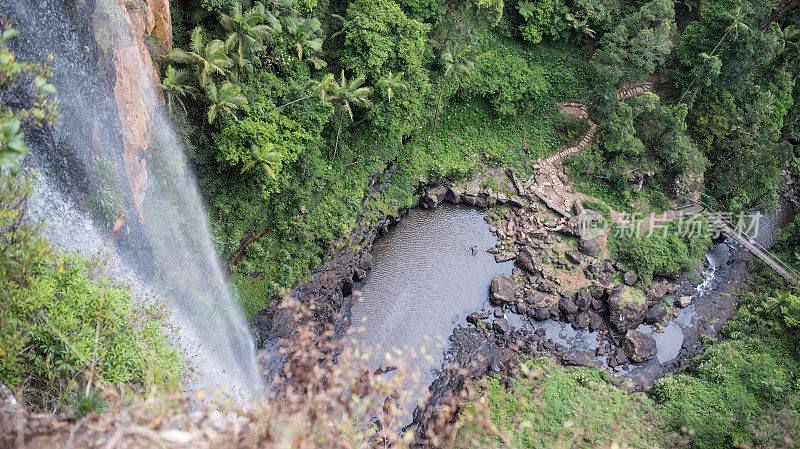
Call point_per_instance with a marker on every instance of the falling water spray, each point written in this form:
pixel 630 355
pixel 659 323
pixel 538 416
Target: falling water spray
pixel 111 114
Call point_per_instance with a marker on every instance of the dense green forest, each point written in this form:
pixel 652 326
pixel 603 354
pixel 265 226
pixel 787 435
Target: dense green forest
pixel 289 110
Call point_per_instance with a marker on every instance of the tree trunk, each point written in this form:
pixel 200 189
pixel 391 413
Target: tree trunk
pixel 436 116
pixel 291 102
pixel 695 78
pixel 339 131
pixel 239 254
pixel 779 13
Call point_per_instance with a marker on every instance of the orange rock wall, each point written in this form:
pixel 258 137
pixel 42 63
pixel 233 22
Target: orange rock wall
pixel 135 77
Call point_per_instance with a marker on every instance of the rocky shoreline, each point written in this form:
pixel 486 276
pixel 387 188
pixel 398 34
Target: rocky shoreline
pixel 599 295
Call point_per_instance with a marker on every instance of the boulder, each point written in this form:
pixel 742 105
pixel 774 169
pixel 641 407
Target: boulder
pixel 595 321
pixel 470 195
pixel 567 305
pixel 530 259
pixel 655 313
pixel 639 347
pixel 504 256
pixel 581 321
pixel 591 248
pixel 542 313
pixel 453 195
pixel 516 202
pixel 583 299
pixel 572 227
pixel 475 317
pixel 366 262
pixel 573 256
pixel 627 306
pixel 545 286
pixel 630 278
pixel 605 278
pixel 435 195
pixel 502 290
pixel 501 325
pixel 683 301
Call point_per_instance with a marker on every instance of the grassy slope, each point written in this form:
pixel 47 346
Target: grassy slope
pixel 554 406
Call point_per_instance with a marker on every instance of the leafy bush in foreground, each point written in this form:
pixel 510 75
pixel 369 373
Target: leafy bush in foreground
pixel 60 322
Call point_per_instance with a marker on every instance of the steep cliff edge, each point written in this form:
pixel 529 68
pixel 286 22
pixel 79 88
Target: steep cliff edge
pixel 122 31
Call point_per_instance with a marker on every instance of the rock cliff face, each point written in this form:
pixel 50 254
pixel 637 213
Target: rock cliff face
pixel 121 31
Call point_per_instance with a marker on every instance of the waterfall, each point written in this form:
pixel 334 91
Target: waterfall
pixel 131 150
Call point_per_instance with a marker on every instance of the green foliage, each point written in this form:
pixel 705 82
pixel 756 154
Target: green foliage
pixel 639 44
pixel 247 31
pixel 379 37
pixel 106 199
pixel 40 111
pixel 666 252
pixel 207 58
pixel 420 9
pixel 787 245
pixel 224 100
pixel 743 384
pixel 543 17
pixel 513 85
pixel 302 37
pixel 58 319
pixel 278 133
pixel 711 116
pixel 552 406
pixel 642 138
pixel 597 206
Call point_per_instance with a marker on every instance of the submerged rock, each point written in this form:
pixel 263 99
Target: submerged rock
pixel 500 325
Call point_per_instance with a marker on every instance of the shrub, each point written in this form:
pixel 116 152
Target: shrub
pixel 739 381
pixel 554 406
pixel 666 254
pixel 59 319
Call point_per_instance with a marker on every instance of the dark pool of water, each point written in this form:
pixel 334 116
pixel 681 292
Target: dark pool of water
pixel 424 281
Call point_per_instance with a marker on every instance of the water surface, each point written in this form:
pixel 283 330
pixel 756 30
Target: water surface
pixel 424 281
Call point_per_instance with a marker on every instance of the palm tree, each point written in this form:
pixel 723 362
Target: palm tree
pixel 247 30
pixel 300 33
pixel 175 85
pixel 458 64
pixel 391 83
pixel 735 18
pixel 346 94
pixel 223 100
pixel 326 87
pixel 787 40
pixel 266 157
pixel 208 59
